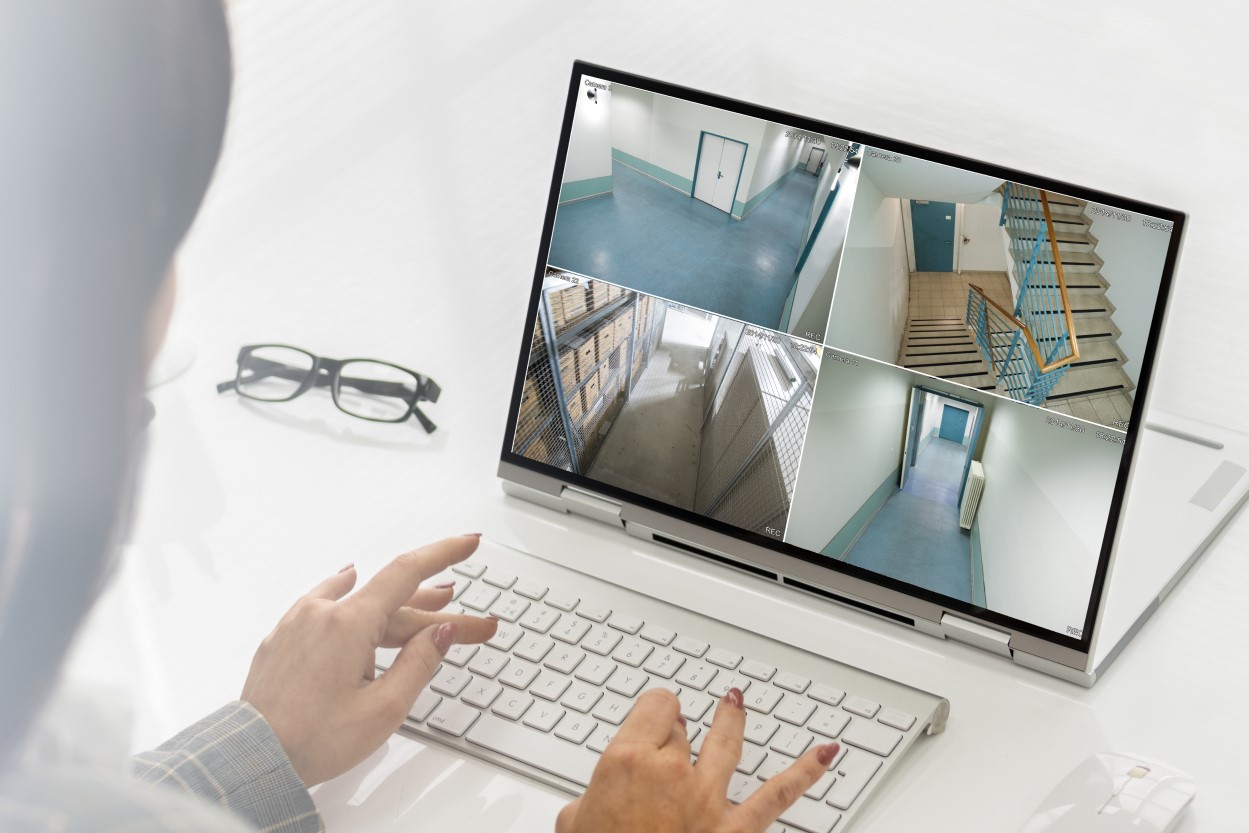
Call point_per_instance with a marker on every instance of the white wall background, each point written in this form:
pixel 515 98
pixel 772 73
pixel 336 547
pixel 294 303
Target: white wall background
pixel 1043 514
pixel 813 293
pixel 631 120
pixel 677 125
pixel 1133 256
pixel 870 300
pixel 854 440
pixel 589 151
pixel 778 154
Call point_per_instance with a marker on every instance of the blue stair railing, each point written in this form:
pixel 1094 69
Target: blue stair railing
pixel 1031 347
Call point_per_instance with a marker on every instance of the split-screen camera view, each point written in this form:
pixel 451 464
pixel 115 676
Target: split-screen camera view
pixel 909 368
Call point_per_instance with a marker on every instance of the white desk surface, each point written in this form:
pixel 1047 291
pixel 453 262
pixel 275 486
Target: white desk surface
pixel 381 194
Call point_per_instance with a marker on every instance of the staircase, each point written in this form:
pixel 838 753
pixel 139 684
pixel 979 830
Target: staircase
pixel 944 347
pixel 1098 371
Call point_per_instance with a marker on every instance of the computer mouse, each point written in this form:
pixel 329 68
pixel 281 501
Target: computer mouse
pixel 1113 792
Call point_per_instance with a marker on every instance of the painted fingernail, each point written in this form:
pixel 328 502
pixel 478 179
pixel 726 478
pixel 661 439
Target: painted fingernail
pixel 681 719
pixel 348 567
pixel 734 698
pixel 446 585
pixel 471 535
pixel 444 636
pixel 826 753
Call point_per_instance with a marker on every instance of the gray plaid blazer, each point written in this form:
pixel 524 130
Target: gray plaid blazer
pixel 226 773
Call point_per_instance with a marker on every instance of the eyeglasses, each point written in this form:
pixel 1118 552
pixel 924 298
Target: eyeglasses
pixel 365 388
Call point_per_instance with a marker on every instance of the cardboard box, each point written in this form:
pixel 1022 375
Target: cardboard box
pixel 605 338
pixel 599 291
pixel 568 367
pixel 587 354
pixel 576 410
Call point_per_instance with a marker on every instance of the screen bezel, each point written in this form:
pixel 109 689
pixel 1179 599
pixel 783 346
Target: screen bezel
pixel 835 570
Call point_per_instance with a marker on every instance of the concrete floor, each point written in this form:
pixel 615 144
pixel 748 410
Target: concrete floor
pixel 653 447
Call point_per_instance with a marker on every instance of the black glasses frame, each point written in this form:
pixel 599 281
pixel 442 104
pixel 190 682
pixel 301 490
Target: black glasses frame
pixel 325 372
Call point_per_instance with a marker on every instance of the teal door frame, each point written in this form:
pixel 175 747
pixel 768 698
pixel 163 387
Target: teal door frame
pixel 933 235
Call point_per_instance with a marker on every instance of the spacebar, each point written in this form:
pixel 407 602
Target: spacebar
pixel 532 747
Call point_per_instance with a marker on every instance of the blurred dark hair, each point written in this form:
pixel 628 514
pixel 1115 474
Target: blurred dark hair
pixel 113 114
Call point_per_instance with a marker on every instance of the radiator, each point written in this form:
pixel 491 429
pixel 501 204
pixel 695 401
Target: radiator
pixel 971 495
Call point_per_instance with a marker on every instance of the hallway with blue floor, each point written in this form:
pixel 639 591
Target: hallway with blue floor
pixel 915 537
pixel 652 238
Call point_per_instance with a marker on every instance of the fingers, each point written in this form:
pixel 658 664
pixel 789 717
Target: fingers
pixel 779 792
pixel 414 667
pixel 429 598
pixel 406 623
pixel 336 586
pixel 722 748
pixel 651 719
pixel 399 580
pixel 566 821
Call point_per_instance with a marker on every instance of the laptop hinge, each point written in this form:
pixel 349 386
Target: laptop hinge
pixel 591 506
pixel 974 634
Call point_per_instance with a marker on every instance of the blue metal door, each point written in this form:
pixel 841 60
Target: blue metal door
pixel 953 423
pixel 932 225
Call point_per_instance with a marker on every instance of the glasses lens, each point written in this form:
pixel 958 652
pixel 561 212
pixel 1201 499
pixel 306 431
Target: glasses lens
pixel 375 390
pixel 273 373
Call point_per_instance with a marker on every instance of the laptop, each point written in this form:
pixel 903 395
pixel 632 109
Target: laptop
pixel 805 360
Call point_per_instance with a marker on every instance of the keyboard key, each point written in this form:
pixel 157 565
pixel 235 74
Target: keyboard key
pixel 505 637
pixel 452 717
pixel 593 612
pixel 459 655
pixel 575 728
pixel 763 698
pixel 760 729
pixel 468 568
pixel 828 721
pixel 871 736
pixel 723 682
pixel 693 647
pixel 543 716
pixel 488 662
pixel 723 658
pixel 752 756
pixel 696 675
pixel 627 682
pixel 742 787
pixel 518 674
pixel 810 816
pixel 479 597
pixel 633 652
pixel 499 578
pixel 658 635
pixel 896 718
pixel 509 608
pixel 791 742
pixel 773 765
pixel 694 705
pixel 450 681
pixel 623 622
pixel 425 703
pixel 540 618
pixel 529 589
pixel 561 602
pixel 581 697
pixel 547 753
pixel 664 663
pixel 692 731
pixel 612 709
pixel 854 772
pixel 791 682
pixel 601 640
pixel 534 648
pixel 666 685
pixel 564 660
pixel 570 629
pixel 860 706
pixel 549 685
pixel 826 694
pixel 595 670
pixel 758 670
pixel 512 705
pixel 793 709
pixel 600 737
pixel 481 693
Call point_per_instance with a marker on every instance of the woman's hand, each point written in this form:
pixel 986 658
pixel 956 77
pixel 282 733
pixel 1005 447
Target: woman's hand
pixel 313 677
pixel 645 780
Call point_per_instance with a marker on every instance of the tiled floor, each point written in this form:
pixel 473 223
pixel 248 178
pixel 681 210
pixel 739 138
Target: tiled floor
pixel 649 237
pixel 1100 408
pixel 944 294
pixel 915 537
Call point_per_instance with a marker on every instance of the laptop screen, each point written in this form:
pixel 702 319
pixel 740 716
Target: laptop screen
pixel 905 366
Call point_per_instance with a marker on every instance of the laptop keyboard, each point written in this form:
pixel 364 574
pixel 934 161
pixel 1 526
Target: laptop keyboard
pixel 553 685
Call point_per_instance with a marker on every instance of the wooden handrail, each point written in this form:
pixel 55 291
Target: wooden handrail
pixel 1062 288
pixel 1027 331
